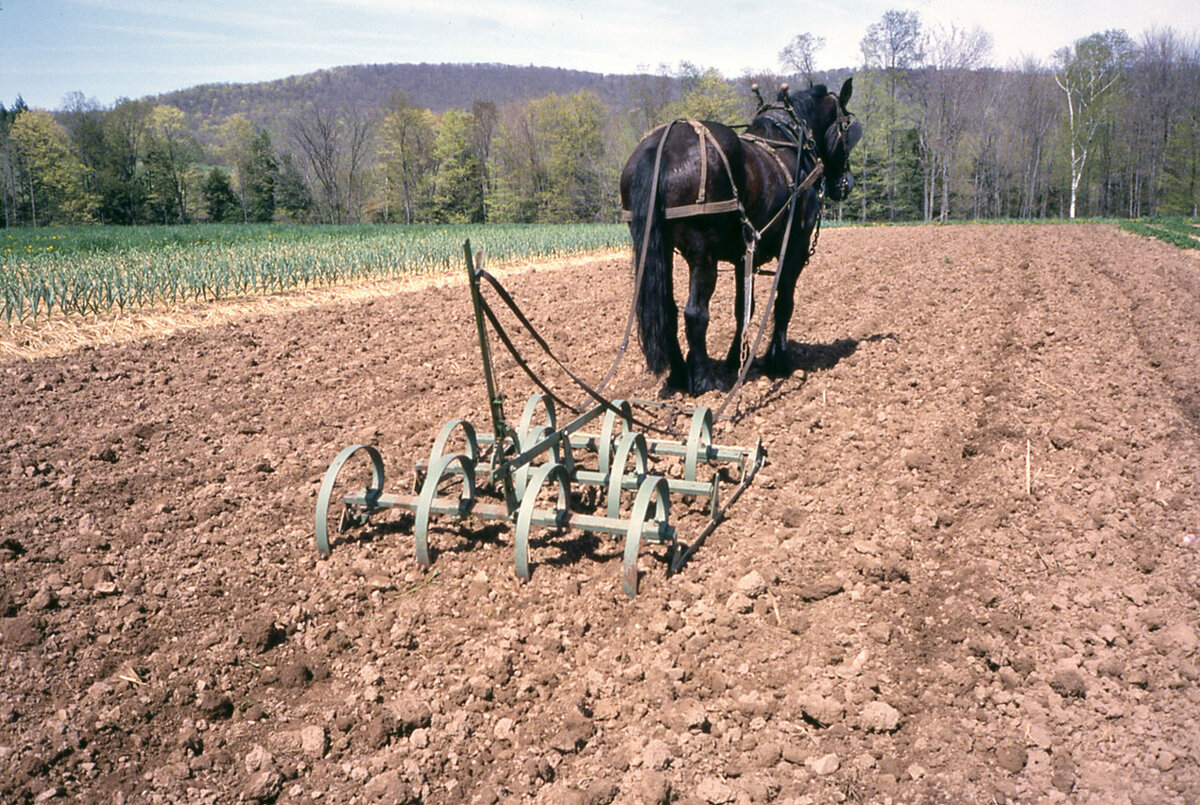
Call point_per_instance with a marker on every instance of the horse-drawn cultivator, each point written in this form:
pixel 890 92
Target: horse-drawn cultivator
pixel 539 474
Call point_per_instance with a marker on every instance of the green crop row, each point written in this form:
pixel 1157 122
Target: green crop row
pixel 99 269
pixel 1181 232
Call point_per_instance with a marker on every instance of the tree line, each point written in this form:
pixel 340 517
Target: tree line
pixel 1111 127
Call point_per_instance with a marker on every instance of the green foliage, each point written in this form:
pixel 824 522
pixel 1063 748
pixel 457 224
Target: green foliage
pixel 706 95
pixel 549 162
pixel 261 172
pixel 1177 231
pixel 458 190
pixel 406 139
pixel 291 192
pixel 57 191
pixel 220 202
pixel 66 271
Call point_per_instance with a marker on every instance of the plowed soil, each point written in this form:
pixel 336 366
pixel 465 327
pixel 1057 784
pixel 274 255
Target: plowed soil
pixel 969 572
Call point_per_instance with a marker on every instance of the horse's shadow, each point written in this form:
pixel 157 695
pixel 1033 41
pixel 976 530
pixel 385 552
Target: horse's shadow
pixel 805 358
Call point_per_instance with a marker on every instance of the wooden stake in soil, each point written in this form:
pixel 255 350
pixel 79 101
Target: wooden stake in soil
pixel 1028 472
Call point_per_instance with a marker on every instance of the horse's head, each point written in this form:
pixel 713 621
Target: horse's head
pixel 836 131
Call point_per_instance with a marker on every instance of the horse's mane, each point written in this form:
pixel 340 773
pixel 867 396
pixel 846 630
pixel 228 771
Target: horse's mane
pixel 805 101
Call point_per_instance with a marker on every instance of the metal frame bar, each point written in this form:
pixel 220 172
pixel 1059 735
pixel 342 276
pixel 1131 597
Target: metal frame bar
pixel 501 463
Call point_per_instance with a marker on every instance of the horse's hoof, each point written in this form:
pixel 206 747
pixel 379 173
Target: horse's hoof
pixel 703 383
pixel 676 381
pixel 776 367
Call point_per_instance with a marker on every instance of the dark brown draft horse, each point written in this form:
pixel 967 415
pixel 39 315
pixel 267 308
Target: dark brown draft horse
pixel 700 188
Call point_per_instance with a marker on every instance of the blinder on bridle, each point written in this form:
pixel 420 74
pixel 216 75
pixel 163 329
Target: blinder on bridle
pixel 841 136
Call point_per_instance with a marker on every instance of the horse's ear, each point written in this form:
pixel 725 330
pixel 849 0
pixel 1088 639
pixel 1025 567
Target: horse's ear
pixel 847 90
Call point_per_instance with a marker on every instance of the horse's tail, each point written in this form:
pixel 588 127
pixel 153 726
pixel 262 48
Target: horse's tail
pixel 656 310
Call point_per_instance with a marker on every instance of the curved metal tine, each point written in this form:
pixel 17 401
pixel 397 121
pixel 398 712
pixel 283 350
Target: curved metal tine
pixel 605 447
pixel 699 438
pixel 438 471
pixel 527 414
pixel 443 438
pixel 656 491
pixel 629 441
pixel 372 493
pixel 552 471
pixel 521 474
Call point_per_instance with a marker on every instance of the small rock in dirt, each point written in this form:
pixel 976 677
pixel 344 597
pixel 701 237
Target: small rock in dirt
pixel 1061 436
pixel 295 674
pixel 214 706
pixel 411 713
pixel 657 755
pixel 107 455
pixel 264 786
pixel 879 717
pixel 1069 683
pixel 687 714
pixel 370 675
pixel 752 585
pixel 655 789
pixel 388 787
pixel 602 792
pixel 1179 637
pixel 1146 561
pixel 259 759
pixel 1011 757
pixel 740 603
pixel 261 635
pixel 381 729
pixel 767 754
pixel 824 765
pixel 23 631
pixel 95 576
pixel 793 517
pixel 1111 665
pixel 43 600
pixel 573 736
pixel 821 589
pixel 880 632
pixel 503 729
pixel 1064 773
pixel 714 790
pixel 314 741
pixel 917 459
pixel 823 711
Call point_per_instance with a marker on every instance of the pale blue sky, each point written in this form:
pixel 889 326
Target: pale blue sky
pixel 113 48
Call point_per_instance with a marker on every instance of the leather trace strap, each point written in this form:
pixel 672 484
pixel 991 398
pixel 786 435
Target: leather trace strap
pixel 512 305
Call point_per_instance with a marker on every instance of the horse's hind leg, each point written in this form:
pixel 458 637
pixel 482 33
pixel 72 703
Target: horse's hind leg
pixel 703 282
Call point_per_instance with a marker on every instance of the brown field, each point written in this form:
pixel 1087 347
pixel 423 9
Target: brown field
pixel 970 571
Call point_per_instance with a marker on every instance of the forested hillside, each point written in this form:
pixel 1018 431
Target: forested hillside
pixel 366 88
pixel 1110 127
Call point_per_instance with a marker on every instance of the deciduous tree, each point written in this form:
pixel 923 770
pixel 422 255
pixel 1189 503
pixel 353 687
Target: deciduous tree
pixel 1088 74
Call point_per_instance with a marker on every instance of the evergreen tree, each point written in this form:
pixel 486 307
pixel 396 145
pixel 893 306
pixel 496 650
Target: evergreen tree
pixel 291 192
pixel 261 173
pixel 220 202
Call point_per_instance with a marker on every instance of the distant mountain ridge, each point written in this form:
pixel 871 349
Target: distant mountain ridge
pixel 368 87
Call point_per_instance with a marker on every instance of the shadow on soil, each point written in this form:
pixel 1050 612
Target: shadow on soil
pixel 806 358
